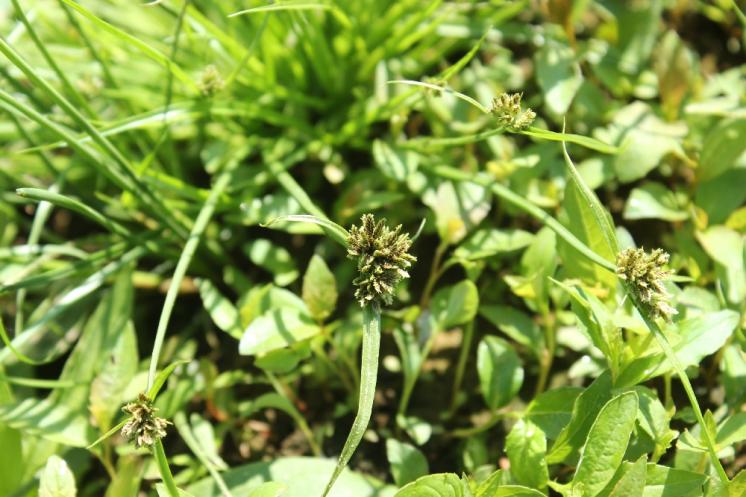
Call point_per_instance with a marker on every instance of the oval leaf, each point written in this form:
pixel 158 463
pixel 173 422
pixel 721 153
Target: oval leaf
pixel 500 371
pixel 606 444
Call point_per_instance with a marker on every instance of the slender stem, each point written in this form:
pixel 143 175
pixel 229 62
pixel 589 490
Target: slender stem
pixel 513 198
pixel 184 260
pixel 69 88
pixel 368 376
pixel 461 365
pixel 190 439
pixel 435 273
pixel 286 392
pixel 547 355
pixel 168 479
pixel 671 356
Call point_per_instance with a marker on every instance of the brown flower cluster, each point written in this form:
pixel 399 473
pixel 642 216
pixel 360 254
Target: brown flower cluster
pixel 382 259
pixel 644 273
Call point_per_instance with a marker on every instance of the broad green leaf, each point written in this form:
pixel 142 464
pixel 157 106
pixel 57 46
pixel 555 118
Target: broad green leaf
pixel 526 447
pixel 654 420
pixel 268 489
pixel 551 410
pixel 654 201
pixel 260 300
pixel 737 487
pixel 276 329
pixel 538 263
pixel 455 305
pixel 558 75
pixel 277 260
pixel 723 148
pixel 223 313
pixel 57 480
pixel 407 462
pixel 489 242
pixel 303 477
pixel 727 247
pixel 662 481
pixel 418 429
pixel 436 485
pixel 572 437
pixel 722 196
pixel 500 371
pixel 591 223
pixel 644 139
pixel 458 208
pixel 732 430
pixel 283 361
pixel 629 480
pixel 55 422
pixel 733 369
pixel 395 164
pixel 606 444
pixel 692 340
pixel 319 289
pixel 516 491
pixel 677 71
pixel 516 324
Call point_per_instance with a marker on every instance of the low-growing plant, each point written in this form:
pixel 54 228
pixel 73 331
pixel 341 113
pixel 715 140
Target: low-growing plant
pixel 209 287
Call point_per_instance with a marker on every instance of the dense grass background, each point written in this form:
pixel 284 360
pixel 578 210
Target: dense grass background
pixel 151 142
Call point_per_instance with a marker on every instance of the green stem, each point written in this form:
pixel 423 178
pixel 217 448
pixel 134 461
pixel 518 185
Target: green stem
pixel 168 479
pixel 547 358
pixel 282 389
pixel 368 375
pixel 69 88
pixel 185 259
pixel 461 365
pixel 435 273
pixel 671 356
pixel 513 198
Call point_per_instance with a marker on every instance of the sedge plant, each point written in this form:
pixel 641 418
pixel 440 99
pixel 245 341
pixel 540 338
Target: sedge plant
pixel 383 260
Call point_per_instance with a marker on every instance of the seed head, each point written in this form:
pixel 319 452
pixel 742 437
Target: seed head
pixel 144 427
pixel 644 274
pixel 382 259
pixel 211 82
pixel 507 109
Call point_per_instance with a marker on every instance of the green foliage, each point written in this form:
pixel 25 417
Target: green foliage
pixel 576 172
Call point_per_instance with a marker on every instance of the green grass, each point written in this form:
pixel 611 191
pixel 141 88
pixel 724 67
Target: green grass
pixel 178 183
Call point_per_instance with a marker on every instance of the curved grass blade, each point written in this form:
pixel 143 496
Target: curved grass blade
pixel 583 141
pixel 130 40
pixel 337 232
pixel 108 434
pixel 368 376
pixel 21 357
pixel 190 247
pixel 72 204
pixel 439 89
pixel 160 380
pixel 297 6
